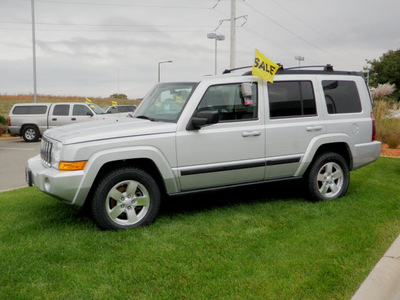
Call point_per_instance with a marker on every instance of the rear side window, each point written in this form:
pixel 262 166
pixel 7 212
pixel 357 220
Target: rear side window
pixel 341 96
pixel 291 99
pixel 30 110
pixel 61 110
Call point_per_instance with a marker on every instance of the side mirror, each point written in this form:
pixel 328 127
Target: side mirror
pixel 246 89
pixel 247 92
pixel 202 119
pixel 89 113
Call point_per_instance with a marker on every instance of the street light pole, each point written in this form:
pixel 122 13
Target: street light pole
pixel 233 34
pixel 34 51
pixel 217 37
pixel 159 69
pixel 299 58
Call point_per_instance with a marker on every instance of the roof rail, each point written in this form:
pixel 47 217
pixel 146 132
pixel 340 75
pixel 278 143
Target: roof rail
pixel 327 67
pixel 227 71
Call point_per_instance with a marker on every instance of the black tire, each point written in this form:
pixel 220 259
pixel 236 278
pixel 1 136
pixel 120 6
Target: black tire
pixel 328 177
pixel 30 133
pixel 126 198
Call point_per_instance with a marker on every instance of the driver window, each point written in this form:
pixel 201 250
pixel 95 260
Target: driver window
pixel 230 103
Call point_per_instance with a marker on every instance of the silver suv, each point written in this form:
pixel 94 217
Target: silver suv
pixel 224 131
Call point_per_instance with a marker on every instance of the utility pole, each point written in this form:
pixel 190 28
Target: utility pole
pixel 233 34
pixel 233 30
pixel 34 51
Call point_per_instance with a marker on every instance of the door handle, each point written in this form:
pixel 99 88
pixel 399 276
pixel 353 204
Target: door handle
pixel 314 128
pixel 54 119
pixel 73 119
pixel 251 133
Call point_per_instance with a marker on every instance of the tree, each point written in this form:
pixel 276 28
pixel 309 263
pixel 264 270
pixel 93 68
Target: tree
pixel 119 96
pixel 386 69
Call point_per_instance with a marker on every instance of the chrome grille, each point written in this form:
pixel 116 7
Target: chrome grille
pixel 45 151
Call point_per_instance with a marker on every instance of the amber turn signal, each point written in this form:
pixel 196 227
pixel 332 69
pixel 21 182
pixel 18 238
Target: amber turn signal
pixel 72 165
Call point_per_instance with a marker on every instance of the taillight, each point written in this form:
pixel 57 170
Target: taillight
pixel 9 121
pixel 373 128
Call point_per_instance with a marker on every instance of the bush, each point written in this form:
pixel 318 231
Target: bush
pixel 3 128
pixel 3 120
pixel 388 131
pixel 119 96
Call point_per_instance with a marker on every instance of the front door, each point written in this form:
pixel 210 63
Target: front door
pixel 229 152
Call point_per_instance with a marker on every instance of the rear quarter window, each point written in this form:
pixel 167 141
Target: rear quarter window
pixel 30 110
pixel 341 97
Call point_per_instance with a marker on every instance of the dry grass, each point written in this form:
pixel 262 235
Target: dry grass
pixel 7 101
pixel 388 128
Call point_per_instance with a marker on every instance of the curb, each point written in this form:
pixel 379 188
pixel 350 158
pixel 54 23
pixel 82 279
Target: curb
pixel 384 280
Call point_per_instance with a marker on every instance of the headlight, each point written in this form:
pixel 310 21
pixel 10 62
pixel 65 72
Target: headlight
pixel 55 154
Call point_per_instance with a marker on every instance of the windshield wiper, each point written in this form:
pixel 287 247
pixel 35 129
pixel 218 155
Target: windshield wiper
pixel 145 117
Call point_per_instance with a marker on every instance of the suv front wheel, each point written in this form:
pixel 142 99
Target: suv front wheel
pixel 126 198
pixel 328 177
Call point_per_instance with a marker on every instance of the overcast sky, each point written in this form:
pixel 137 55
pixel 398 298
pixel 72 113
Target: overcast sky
pixel 100 47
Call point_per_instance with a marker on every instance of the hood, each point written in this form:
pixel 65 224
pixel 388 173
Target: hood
pixel 107 129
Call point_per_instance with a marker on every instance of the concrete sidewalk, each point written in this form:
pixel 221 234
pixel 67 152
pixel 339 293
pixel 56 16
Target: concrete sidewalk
pixel 383 283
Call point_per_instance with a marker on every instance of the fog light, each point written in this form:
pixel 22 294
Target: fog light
pixel 47 184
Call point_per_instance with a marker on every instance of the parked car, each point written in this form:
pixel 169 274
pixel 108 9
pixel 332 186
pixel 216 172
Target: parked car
pixel 125 109
pixel 219 132
pixel 30 120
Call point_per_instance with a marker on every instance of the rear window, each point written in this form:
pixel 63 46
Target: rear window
pixel 61 110
pixel 341 96
pixel 30 110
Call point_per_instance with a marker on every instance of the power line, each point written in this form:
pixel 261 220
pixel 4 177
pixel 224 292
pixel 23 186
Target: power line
pixel 120 5
pixel 93 30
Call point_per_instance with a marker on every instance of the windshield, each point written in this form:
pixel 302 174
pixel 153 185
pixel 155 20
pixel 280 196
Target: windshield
pixel 96 109
pixel 165 101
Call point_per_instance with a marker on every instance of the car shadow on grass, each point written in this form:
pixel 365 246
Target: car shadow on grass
pixel 61 216
pixel 258 193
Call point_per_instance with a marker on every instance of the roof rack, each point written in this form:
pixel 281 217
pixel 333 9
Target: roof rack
pixel 227 71
pixel 327 67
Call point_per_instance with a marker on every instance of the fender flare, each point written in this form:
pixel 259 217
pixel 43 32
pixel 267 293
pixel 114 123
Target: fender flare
pixel 99 159
pixel 319 141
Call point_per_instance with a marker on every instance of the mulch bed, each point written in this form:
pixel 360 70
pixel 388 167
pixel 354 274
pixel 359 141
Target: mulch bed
pixel 386 151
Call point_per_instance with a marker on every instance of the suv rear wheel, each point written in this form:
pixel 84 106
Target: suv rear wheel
pixel 328 177
pixel 126 198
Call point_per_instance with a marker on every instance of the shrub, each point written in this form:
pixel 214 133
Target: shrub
pixel 3 128
pixel 383 90
pixel 3 120
pixel 388 131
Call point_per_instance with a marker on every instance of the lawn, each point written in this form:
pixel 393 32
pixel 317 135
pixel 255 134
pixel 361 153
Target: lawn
pixel 266 242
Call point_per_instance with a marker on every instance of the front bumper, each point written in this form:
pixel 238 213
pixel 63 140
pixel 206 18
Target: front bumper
pixel 62 185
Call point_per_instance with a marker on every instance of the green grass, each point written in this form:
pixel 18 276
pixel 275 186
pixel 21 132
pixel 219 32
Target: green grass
pixel 252 243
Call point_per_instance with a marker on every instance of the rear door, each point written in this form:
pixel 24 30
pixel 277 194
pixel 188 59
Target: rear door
pixel 293 120
pixel 60 114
